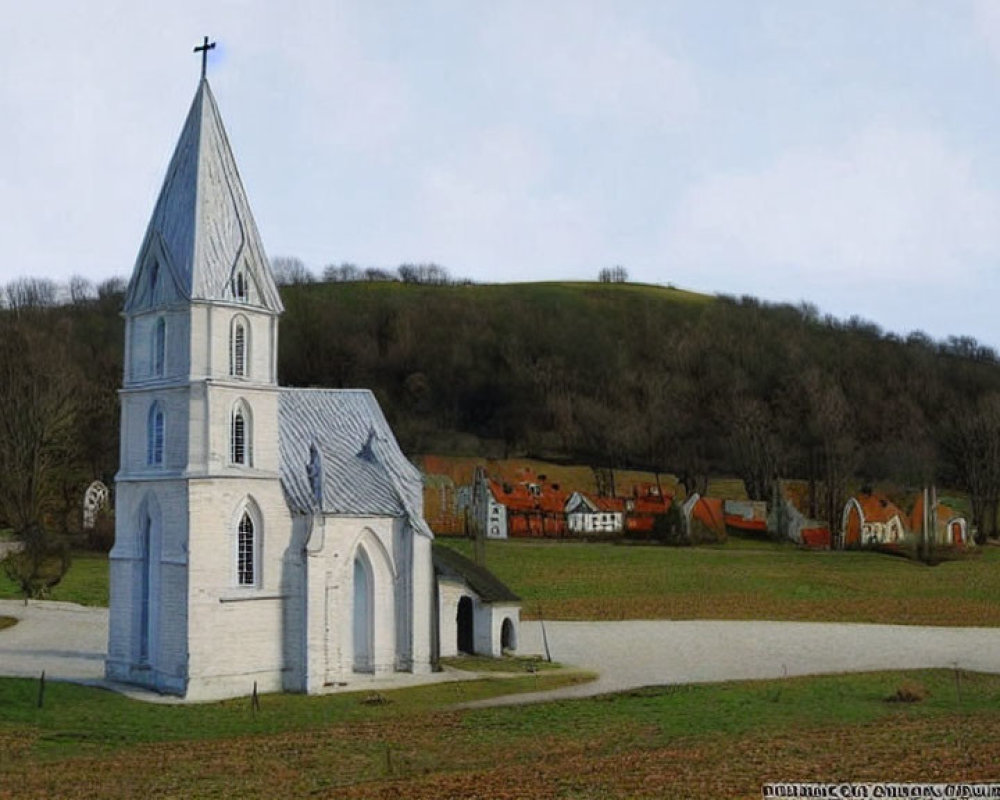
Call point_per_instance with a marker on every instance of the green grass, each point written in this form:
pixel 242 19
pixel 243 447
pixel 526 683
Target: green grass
pixel 696 741
pixel 744 578
pixel 7 622
pixel 79 718
pixel 86 582
pixel 754 580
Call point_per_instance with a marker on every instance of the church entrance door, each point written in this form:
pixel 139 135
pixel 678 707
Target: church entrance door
pixel 363 602
pixel 465 638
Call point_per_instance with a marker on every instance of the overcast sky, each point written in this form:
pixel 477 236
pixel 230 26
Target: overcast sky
pixel 843 153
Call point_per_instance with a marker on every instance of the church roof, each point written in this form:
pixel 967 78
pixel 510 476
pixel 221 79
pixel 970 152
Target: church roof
pixel 339 456
pixel 202 231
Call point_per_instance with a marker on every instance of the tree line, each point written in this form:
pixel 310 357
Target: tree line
pixel 608 374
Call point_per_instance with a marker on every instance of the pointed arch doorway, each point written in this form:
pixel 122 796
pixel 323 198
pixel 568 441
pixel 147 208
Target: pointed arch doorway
pixel 363 616
pixel 466 639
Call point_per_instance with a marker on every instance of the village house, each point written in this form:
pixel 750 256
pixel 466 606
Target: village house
pixel 745 516
pixel 950 528
pixel 787 521
pixel 871 519
pixel 648 501
pixel 595 515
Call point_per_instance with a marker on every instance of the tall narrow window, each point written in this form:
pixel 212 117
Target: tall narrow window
pixel 238 354
pixel 241 435
pixel 154 443
pixel 245 555
pixel 159 346
pixel 239 452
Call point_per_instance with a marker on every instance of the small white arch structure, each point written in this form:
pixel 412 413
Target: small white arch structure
pixel 94 499
pixel 477 614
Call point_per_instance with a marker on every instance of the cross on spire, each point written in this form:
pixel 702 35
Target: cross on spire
pixel 203 49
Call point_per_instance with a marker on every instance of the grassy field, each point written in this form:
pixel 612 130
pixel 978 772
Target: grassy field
pixel 743 580
pixel 86 582
pixel 695 741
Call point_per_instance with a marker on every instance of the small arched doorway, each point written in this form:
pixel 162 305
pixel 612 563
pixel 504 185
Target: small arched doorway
pixel 957 534
pixel 363 614
pixel 465 633
pixel 852 527
pixel 508 638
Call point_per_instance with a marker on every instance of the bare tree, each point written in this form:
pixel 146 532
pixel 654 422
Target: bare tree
pixel 111 287
pixel 343 273
pixel 80 290
pixel 973 444
pixel 38 391
pixel 24 293
pixel 754 446
pixel 290 271
pixel 615 274
pixel 423 273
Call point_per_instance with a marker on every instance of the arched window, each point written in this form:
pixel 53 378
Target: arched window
pixel 240 442
pixel 238 348
pixel 154 436
pixel 159 346
pixel 246 552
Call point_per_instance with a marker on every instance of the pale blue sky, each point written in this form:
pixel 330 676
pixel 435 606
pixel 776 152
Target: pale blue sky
pixel 842 153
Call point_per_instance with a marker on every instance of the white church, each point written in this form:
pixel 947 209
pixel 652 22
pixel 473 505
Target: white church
pixel 264 535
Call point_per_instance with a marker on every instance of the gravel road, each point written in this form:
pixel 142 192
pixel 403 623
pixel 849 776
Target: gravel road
pixel 69 642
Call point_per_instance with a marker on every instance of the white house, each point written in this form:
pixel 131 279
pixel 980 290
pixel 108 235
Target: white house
pixel 488 515
pixel 584 515
pixel 264 535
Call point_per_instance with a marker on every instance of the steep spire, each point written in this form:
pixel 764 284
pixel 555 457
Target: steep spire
pixel 202 233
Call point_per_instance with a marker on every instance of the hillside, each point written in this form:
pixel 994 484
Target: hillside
pixel 617 375
pixel 649 378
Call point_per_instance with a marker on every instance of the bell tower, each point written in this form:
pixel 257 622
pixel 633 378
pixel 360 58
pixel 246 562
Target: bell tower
pixel 198 468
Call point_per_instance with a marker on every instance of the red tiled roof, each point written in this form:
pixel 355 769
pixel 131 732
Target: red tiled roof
pixel 878 508
pixel 519 497
pixel 609 503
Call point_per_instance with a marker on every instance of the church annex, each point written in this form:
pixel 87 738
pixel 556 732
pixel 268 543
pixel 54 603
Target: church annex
pixel 264 535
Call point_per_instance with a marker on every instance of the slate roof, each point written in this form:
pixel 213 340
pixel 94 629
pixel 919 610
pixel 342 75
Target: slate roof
pixel 202 227
pixel 483 582
pixel 362 471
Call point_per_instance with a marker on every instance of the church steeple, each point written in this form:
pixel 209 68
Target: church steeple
pixel 202 242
